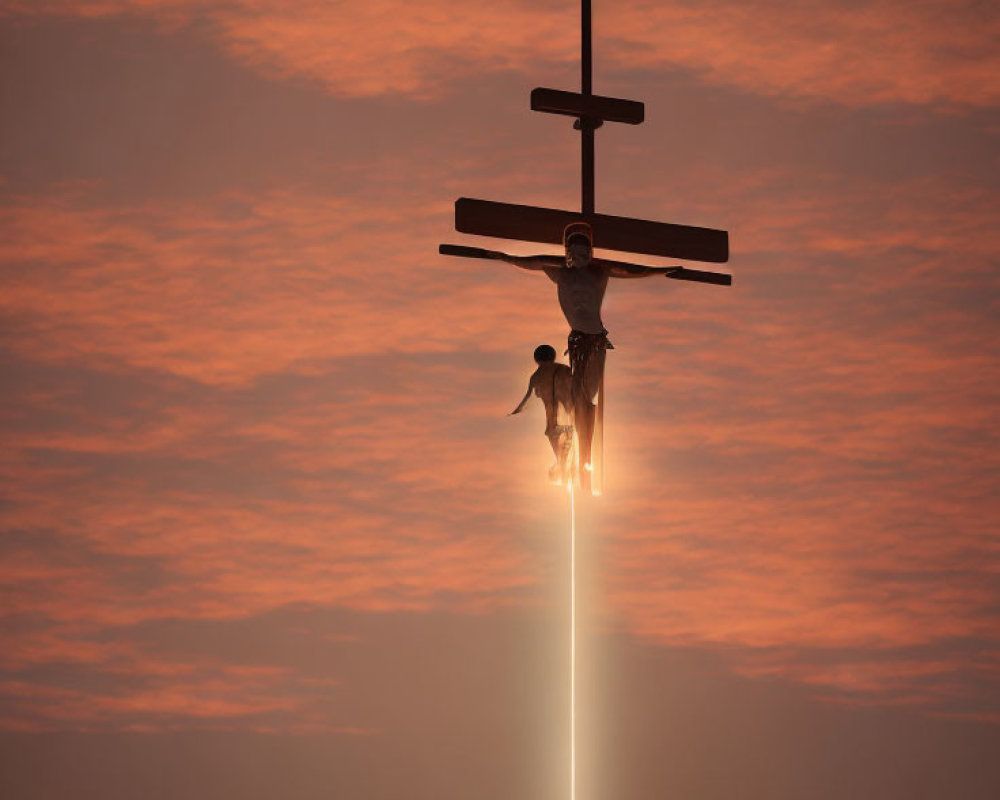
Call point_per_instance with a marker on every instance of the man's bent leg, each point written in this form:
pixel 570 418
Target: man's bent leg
pixel 590 383
pixel 585 413
pixel 597 431
pixel 586 355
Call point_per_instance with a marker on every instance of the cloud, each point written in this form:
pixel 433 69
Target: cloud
pixel 152 694
pixel 127 275
pixel 861 54
pixel 930 52
pixel 229 405
pixel 837 476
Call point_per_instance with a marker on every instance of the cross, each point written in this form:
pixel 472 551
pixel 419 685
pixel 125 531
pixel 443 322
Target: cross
pixel 547 225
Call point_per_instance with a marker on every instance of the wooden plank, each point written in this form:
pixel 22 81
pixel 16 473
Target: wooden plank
pixel 533 224
pixel 574 104
pixel 677 273
pixel 718 278
pixel 467 252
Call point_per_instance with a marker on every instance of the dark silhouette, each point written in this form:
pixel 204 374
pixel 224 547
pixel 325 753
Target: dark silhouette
pixel 552 383
pixel 581 278
pixel 582 281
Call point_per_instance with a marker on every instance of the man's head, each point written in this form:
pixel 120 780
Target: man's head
pixel 579 241
pixel 544 353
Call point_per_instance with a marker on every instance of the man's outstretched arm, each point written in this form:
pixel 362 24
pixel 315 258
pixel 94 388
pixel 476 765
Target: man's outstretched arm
pixel 525 262
pixel 622 269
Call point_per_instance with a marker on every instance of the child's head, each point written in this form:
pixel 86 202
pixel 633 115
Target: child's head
pixel 544 353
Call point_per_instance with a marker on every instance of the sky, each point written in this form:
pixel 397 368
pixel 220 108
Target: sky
pixel 266 529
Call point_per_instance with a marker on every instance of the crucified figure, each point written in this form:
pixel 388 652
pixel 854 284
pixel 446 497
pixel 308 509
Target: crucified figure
pixel 581 282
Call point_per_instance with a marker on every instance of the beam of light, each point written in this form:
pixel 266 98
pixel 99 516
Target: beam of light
pixel 572 643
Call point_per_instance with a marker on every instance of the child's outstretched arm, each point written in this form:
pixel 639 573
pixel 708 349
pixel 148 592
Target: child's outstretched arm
pixel 524 400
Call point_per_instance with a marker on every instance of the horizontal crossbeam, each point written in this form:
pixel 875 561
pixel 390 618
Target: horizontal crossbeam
pixel 677 273
pixel 594 107
pixel 533 224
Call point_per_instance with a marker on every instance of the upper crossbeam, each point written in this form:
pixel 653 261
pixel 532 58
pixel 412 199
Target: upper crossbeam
pixel 593 107
pixel 534 224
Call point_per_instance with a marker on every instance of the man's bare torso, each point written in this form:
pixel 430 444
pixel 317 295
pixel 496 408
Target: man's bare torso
pixel 581 293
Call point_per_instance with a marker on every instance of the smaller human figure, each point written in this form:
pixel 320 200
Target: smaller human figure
pixel 552 383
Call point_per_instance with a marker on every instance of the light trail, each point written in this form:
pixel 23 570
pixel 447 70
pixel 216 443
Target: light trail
pixel 572 643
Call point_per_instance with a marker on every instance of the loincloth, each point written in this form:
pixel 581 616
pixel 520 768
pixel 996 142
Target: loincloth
pixel 582 346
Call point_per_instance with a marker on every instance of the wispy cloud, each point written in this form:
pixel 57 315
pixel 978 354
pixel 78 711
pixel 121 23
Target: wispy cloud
pixel 226 403
pixel 890 51
pixel 788 477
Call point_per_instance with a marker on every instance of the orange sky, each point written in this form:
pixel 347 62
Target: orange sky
pixel 258 478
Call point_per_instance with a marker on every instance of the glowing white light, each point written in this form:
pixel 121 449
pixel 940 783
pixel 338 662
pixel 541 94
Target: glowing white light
pixel 572 643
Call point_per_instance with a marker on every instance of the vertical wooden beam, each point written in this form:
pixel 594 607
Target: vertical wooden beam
pixel 586 123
